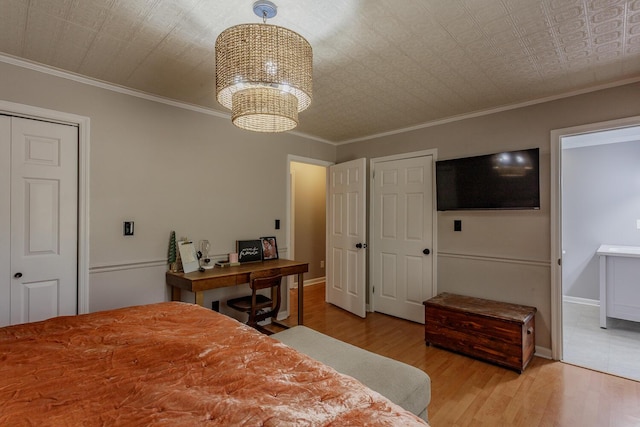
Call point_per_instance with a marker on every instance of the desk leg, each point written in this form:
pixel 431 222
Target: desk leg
pixel 175 294
pixel 300 299
pixel 200 298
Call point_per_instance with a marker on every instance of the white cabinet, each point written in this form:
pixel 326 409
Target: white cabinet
pixel 619 283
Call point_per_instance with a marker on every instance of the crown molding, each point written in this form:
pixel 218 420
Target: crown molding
pixel 46 69
pixel 57 72
pixel 490 111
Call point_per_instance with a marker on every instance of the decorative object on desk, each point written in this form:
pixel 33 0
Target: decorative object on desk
pixel 189 257
pixel 227 263
pixel 249 250
pixel 205 261
pixel 233 257
pixel 269 248
pixel 172 256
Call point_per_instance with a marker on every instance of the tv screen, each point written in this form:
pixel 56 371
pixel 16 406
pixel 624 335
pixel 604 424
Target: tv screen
pixel 508 180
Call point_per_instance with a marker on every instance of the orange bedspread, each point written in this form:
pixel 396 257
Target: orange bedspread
pixel 172 364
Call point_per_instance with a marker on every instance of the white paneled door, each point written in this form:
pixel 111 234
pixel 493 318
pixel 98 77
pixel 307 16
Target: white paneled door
pixel 346 240
pixel 41 281
pixel 402 236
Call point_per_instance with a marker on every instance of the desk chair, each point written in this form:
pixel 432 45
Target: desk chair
pixel 258 306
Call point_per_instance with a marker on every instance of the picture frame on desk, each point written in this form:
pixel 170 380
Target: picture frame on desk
pixel 249 250
pixel 269 248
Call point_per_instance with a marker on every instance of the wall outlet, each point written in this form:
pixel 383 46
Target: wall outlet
pixel 127 228
pixel 322 264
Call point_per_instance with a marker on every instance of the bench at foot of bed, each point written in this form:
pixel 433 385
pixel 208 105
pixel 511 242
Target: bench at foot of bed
pixel 403 384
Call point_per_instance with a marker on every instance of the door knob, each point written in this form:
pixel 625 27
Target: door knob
pixel 426 251
pixel 361 245
pixel 17 275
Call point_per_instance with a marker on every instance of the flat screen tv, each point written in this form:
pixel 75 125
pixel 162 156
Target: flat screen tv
pixel 508 180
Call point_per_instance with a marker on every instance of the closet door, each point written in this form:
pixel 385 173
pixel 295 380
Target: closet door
pixel 44 220
pixel 403 262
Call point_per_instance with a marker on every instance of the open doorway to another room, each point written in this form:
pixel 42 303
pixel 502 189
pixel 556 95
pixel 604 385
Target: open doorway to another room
pixel 600 205
pixel 307 225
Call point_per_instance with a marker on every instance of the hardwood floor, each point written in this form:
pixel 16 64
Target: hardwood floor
pixel 467 392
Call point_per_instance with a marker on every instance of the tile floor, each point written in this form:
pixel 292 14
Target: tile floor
pixel 615 350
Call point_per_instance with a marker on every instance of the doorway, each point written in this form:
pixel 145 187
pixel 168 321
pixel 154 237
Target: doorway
pixel 597 203
pixel 416 194
pixel 306 216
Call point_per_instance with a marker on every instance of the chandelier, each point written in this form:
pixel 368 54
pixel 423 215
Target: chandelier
pixel 263 73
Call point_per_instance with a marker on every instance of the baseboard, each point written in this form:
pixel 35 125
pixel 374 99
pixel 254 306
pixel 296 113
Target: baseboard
pixel 543 352
pixel 583 301
pixel 310 282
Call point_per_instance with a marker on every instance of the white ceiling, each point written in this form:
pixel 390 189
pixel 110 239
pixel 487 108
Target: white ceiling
pixel 379 65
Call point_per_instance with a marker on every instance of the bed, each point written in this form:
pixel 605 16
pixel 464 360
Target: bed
pixel 173 364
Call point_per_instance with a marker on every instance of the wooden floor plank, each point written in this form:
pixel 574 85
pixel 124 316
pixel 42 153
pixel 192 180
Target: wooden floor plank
pixel 468 392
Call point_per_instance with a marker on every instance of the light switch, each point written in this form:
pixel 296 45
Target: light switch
pixel 638 224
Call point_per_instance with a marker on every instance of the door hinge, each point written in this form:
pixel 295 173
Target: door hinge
pixel 374 290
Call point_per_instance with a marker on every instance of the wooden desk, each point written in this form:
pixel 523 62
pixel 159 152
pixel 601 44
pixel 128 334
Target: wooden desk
pixel 220 277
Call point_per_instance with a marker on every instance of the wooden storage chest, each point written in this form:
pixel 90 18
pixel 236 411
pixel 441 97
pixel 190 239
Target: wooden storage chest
pixel 493 331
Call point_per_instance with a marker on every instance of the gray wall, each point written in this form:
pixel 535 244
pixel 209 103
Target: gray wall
pixel 503 255
pixel 600 205
pixel 166 168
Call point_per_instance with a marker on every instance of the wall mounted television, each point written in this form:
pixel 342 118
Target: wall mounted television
pixel 508 180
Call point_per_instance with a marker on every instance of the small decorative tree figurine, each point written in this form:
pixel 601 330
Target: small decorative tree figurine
pixel 173 266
